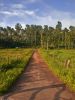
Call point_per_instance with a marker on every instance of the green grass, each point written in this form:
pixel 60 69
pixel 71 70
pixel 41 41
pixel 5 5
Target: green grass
pixel 56 61
pixel 12 64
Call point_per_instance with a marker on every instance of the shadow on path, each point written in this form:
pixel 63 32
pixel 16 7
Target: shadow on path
pixel 40 89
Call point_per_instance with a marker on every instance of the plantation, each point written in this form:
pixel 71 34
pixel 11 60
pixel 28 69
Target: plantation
pixel 57 62
pixel 12 64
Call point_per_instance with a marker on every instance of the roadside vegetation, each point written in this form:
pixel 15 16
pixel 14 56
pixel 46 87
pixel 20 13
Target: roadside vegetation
pixel 62 64
pixel 12 64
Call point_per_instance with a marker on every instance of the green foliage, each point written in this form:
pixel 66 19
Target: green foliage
pixel 11 70
pixel 37 36
pixel 56 62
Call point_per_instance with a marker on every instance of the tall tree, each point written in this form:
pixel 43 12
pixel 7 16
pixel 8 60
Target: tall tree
pixel 58 32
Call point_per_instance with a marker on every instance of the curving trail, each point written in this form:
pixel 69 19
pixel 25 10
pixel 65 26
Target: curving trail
pixel 38 83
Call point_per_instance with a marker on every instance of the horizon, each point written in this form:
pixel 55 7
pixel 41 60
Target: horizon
pixel 24 26
pixel 37 12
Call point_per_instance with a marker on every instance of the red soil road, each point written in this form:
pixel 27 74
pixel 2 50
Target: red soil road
pixel 38 83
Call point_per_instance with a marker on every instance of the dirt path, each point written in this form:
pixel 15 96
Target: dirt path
pixel 38 83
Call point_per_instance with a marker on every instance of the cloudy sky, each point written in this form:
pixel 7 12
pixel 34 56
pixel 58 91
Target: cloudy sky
pixel 43 12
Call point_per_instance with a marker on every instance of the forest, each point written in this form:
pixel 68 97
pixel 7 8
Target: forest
pixel 37 36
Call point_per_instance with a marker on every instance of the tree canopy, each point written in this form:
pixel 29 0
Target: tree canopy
pixel 37 36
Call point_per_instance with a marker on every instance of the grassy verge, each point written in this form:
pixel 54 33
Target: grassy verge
pixel 56 61
pixel 12 64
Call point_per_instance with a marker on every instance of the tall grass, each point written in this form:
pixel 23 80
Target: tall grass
pixel 56 61
pixel 12 64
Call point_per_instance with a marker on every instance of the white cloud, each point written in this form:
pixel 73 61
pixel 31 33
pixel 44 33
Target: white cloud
pixel 51 18
pixel 5 12
pixel 45 20
pixel 65 17
pixel 30 12
pixel 17 6
pixel 9 13
pixel 19 13
pixel 2 24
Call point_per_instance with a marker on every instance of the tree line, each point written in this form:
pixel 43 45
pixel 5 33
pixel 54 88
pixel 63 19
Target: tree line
pixel 38 36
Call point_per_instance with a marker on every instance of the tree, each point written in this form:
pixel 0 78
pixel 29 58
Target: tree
pixel 65 37
pixel 51 37
pixel 46 39
pixel 58 32
pixel 18 28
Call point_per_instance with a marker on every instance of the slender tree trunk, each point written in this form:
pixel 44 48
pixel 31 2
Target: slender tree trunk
pixel 41 40
pixel 35 39
pixel 47 44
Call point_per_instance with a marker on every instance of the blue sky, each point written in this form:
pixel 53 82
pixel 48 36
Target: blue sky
pixel 43 12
